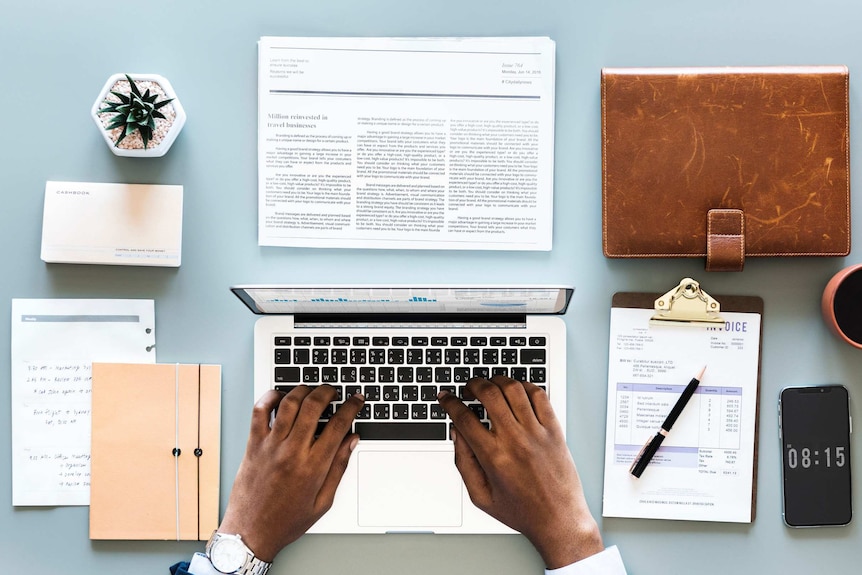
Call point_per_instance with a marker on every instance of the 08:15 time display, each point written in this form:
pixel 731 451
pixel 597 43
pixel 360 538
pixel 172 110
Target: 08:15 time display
pixel 806 458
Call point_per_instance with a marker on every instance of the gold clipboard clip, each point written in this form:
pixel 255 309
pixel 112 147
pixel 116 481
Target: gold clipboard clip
pixel 687 304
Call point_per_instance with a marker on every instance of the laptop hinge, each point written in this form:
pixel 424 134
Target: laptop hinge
pixel 411 320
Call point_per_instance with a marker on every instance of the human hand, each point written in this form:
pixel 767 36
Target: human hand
pixel 520 471
pixel 287 478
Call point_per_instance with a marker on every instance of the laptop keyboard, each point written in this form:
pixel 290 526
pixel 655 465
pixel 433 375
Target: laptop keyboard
pixel 400 376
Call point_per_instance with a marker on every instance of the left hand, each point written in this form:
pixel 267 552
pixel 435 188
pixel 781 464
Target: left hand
pixel 287 478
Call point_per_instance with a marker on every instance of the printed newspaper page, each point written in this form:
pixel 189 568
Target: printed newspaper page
pixel 406 143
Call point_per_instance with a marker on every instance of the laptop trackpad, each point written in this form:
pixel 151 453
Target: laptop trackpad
pixel 410 490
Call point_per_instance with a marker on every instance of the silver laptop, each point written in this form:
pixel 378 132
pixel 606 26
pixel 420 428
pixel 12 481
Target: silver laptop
pixel 400 346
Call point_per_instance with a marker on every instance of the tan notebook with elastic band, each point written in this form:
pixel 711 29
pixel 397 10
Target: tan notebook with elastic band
pixel 155 451
pixel 726 163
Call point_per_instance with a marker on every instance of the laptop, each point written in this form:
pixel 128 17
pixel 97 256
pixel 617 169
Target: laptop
pixel 399 346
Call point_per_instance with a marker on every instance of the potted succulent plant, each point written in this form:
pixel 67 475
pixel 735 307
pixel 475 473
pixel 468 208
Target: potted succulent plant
pixel 138 115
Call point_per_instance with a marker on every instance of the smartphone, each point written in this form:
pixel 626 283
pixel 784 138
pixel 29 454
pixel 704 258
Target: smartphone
pixel 814 426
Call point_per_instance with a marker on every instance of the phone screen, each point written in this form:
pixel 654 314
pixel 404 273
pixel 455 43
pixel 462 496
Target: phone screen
pixel 815 453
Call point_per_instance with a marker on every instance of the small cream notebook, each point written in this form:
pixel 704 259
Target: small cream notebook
pixel 155 451
pixel 113 224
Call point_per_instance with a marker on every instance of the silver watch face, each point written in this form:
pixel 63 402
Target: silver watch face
pixel 228 554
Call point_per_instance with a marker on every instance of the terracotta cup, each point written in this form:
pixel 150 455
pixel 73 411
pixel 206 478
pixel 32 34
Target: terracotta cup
pixel 842 305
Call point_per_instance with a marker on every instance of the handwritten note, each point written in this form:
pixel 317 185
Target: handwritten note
pixel 55 417
pixel 54 343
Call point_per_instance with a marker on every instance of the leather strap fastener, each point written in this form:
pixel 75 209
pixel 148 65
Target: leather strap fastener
pixel 725 240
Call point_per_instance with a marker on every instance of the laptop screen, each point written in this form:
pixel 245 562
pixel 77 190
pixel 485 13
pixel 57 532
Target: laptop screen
pixel 404 300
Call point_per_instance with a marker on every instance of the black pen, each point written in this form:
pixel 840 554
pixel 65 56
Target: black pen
pixel 649 449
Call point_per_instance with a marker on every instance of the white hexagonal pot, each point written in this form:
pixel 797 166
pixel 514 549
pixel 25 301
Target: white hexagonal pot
pixel 166 130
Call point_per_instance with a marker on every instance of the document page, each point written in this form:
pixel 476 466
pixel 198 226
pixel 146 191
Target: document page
pixel 423 143
pixel 54 342
pixel 704 469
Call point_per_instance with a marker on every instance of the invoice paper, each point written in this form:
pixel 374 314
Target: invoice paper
pixel 704 470
pixel 54 342
pixel 422 143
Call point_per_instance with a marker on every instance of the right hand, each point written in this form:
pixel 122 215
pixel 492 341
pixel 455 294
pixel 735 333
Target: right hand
pixel 520 471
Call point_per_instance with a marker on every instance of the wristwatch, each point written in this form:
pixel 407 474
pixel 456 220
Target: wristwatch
pixel 228 554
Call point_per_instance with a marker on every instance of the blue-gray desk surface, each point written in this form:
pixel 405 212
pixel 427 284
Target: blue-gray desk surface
pixel 54 58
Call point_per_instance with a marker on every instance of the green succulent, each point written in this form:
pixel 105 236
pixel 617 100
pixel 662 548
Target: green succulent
pixel 134 111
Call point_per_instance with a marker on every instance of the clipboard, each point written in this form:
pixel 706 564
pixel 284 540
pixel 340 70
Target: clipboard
pixel 684 307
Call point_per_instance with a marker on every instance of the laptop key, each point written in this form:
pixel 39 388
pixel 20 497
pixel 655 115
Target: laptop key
pixel 537 375
pixel 282 356
pixel 367 374
pixel 504 371
pixel 440 341
pixel 490 356
pixel 410 393
pixel 376 355
pixel 310 375
pixel 419 411
pixel 352 389
pixel 401 341
pixel 424 375
pixel 518 341
pixel 329 375
pixel 419 341
pixel 452 356
pixel 301 356
pixel 400 411
pixel 537 341
pixel 437 411
pixel 461 374
pixel 358 356
pixel 395 356
pixel 321 340
pixel 471 356
pixel 434 356
pixel 509 356
pixel 479 341
pixel 386 374
pixel 498 341
pixel 339 356
pixel 287 375
pixel 362 340
pixel 365 412
pixel 532 356
pixel 459 341
pixel 405 375
pixel 381 411
pixel 282 341
pixel 482 372
pixel 372 393
pixel 320 355
pixel 442 374
pixel 301 340
pixel 380 340
pixel 342 341
pixel 414 356
pixel 348 374
pixel 401 430
pixel 519 373
pixel 428 392
pixel 390 392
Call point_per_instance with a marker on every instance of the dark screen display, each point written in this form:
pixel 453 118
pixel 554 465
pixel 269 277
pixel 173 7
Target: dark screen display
pixel 815 431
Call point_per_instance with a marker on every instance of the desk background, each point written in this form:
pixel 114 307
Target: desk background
pixel 54 57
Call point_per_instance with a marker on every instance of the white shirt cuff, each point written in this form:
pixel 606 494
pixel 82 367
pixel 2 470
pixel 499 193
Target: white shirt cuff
pixel 200 565
pixel 608 562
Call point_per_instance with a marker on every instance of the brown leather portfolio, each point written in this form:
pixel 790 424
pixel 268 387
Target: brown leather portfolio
pixel 155 451
pixel 725 163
